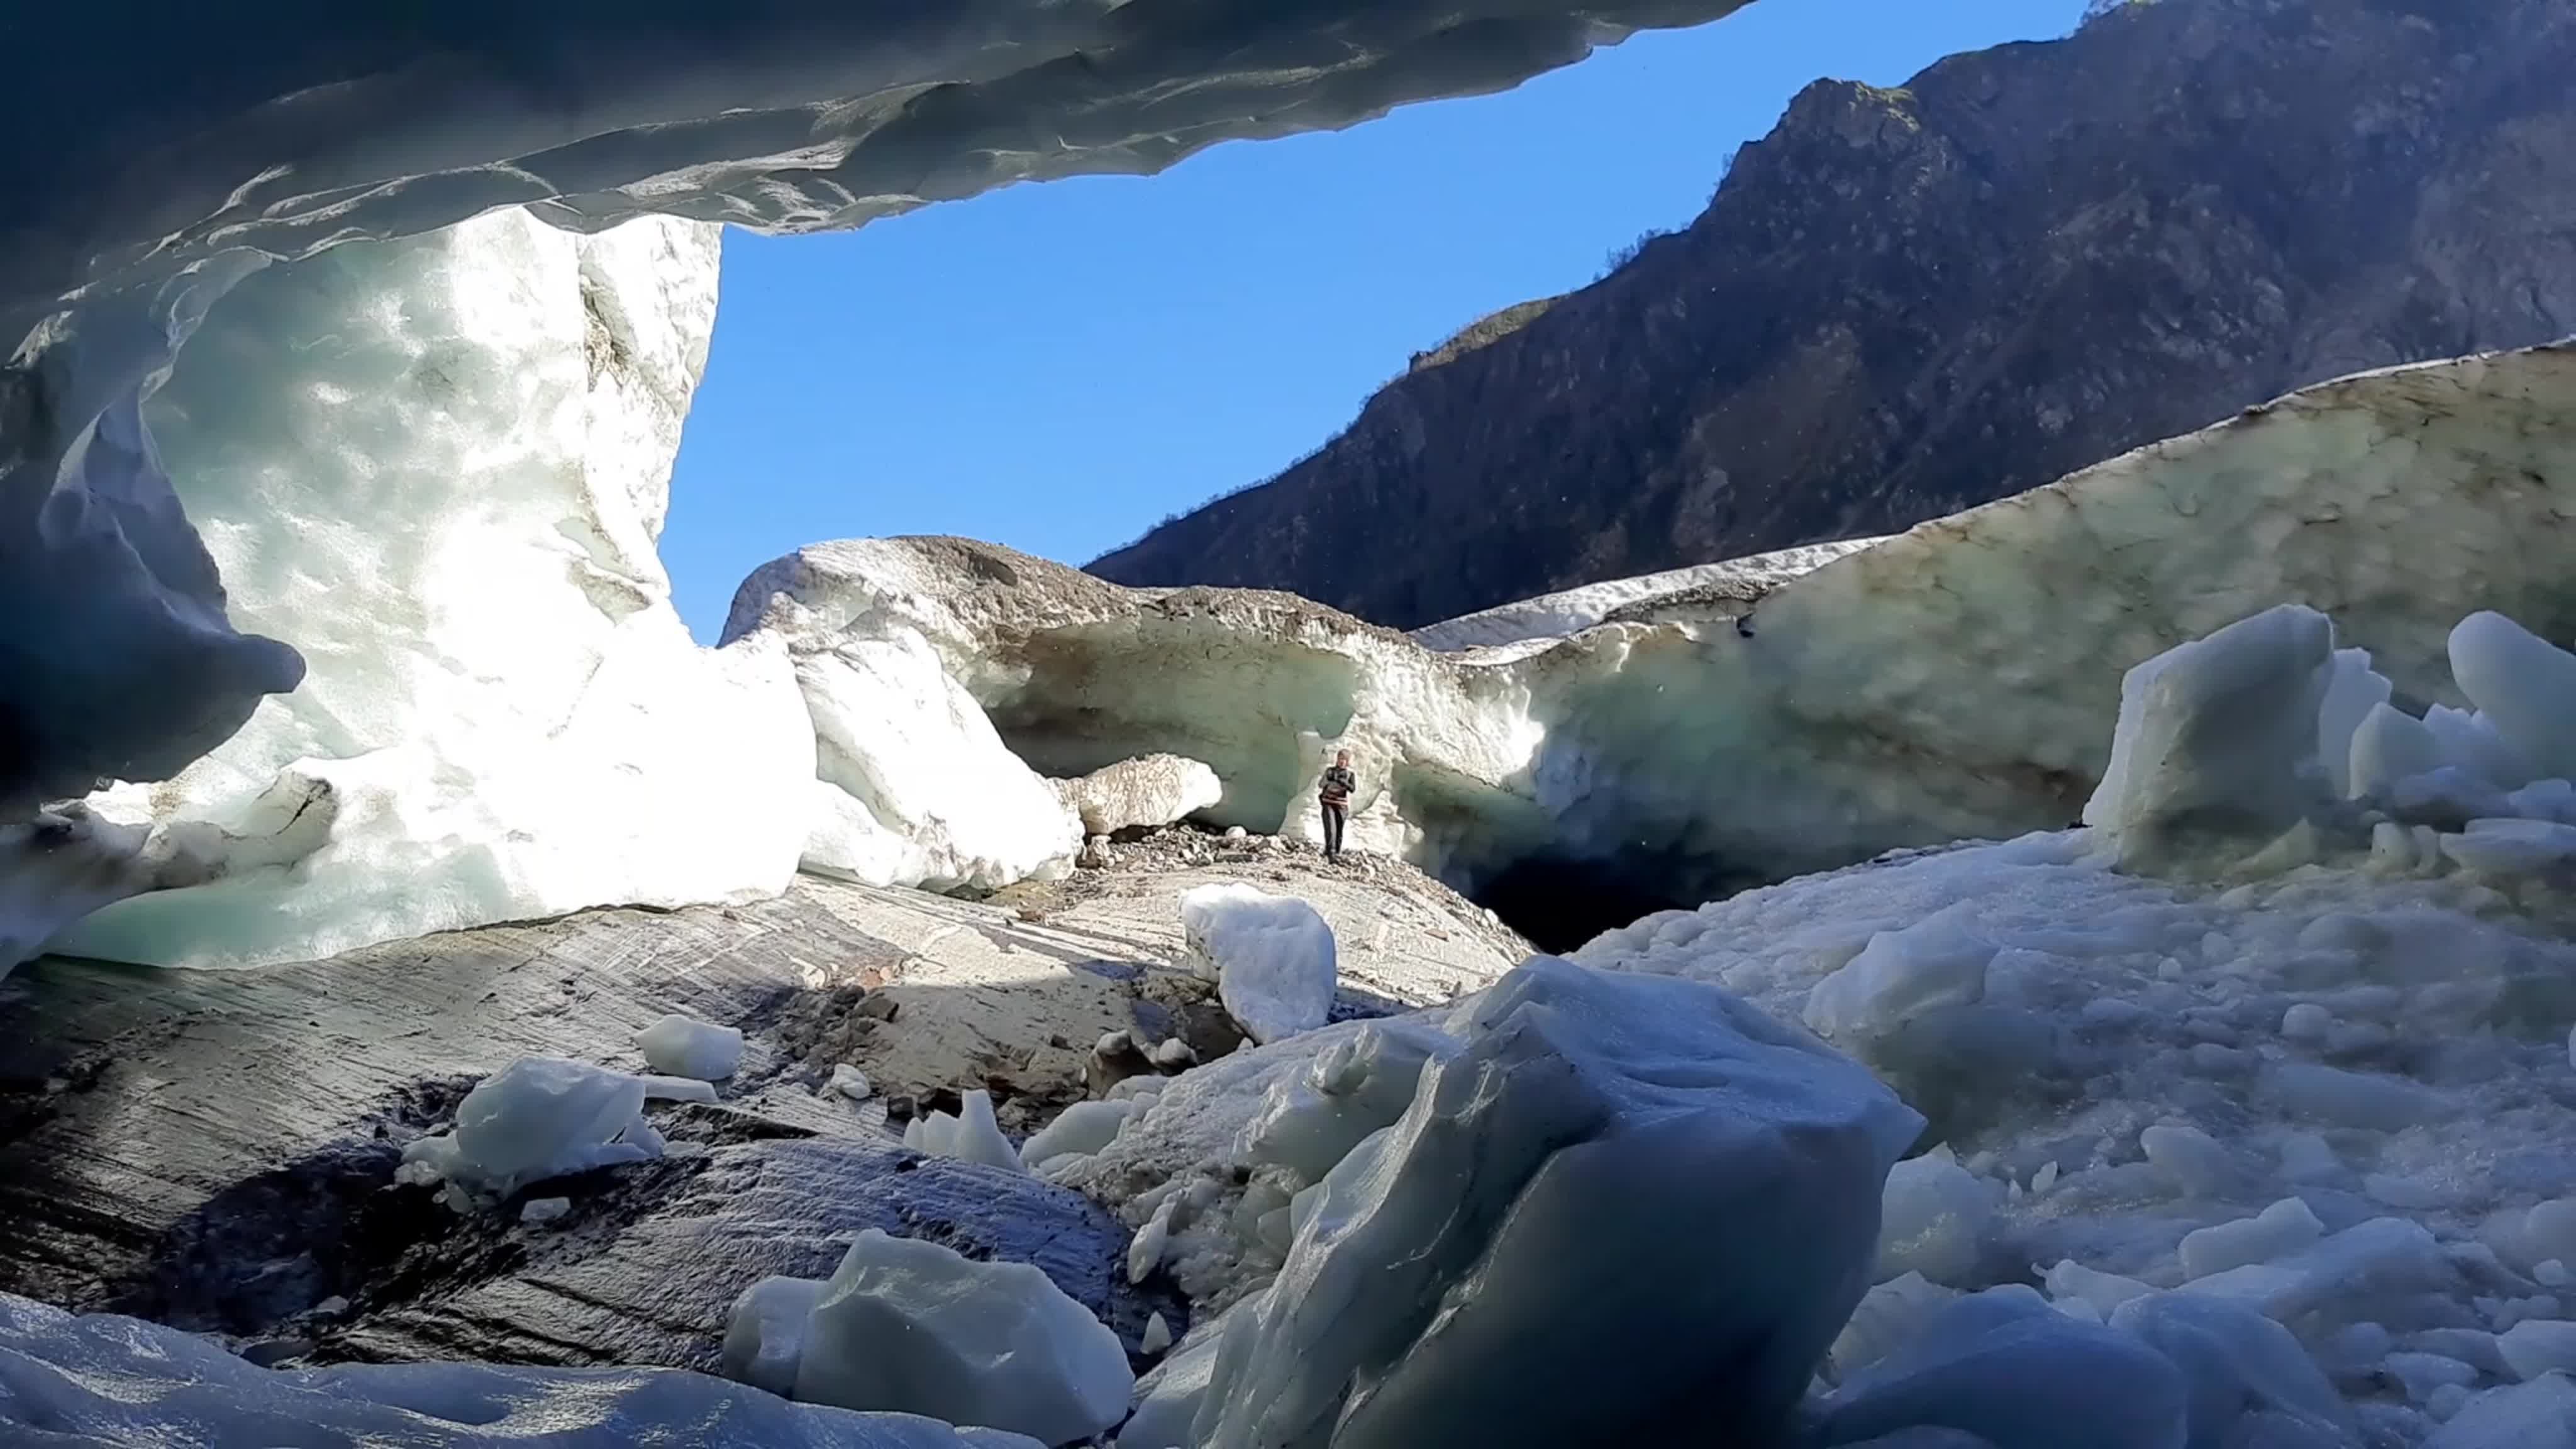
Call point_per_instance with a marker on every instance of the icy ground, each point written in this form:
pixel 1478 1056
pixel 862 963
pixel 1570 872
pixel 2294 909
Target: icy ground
pixel 2293 1112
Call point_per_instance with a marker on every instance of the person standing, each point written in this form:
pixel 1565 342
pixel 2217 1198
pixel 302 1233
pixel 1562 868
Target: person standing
pixel 1335 795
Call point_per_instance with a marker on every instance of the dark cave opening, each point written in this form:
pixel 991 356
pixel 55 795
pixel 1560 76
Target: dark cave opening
pixel 1561 901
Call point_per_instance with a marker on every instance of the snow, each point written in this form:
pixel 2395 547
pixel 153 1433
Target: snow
pixel 973 1136
pixel 911 1327
pixel 439 466
pixel 102 1379
pixel 1141 793
pixel 1272 957
pixel 1460 1267
pixel 1709 590
pixel 679 1046
pixel 537 1118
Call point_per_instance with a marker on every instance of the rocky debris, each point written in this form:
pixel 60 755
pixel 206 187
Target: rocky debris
pixel 1144 793
pixel 216 1149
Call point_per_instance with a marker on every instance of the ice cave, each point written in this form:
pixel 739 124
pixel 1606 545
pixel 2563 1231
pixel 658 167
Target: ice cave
pixel 2097 969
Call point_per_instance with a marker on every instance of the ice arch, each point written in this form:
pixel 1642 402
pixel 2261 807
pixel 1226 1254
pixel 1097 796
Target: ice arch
pixel 158 155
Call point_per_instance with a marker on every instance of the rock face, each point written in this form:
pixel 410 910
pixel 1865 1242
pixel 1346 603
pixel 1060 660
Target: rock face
pixel 217 1150
pixel 1905 303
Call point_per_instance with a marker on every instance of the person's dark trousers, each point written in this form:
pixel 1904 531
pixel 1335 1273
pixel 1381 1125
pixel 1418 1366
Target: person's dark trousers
pixel 1334 815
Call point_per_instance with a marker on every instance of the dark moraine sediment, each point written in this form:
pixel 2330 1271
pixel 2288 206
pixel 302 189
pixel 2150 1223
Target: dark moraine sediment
pixel 216 1149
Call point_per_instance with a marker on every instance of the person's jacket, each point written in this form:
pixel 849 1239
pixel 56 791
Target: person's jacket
pixel 1338 785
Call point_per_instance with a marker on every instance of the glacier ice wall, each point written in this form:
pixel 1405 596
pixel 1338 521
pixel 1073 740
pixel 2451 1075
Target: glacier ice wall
pixel 1700 591
pixel 440 466
pixel 1956 682
pixel 157 156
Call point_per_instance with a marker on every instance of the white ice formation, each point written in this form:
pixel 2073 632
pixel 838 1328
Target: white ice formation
pixel 972 1136
pixel 680 1046
pixel 99 1379
pixel 912 1327
pixel 440 466
pixel 1147 791
pixel 1272 957
pixel 537 1118
pixel 1696 593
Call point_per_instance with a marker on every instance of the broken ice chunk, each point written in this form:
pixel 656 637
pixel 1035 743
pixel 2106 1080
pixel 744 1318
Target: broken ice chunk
pixel 973 1137
pixel 2513 847
pixel 2247 1379
pixel 2352 1099
pixel 2524 686
pixel 1932 1216
pixel 1272 957
pixel 2192 1160
pixel 1937 961
pixel 2537 1346
pixel 765 1334
pixel 1084 1127
pixel 2376 1258
pixel 536 1118
pixel 2004 1366
pixel 679 1046
pixel 2284 1227
pixel 913 1327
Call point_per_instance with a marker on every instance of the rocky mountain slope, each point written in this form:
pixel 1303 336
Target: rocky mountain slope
pixel 1903 303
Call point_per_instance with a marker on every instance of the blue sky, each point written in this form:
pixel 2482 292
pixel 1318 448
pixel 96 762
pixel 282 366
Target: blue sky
pixel 1056 367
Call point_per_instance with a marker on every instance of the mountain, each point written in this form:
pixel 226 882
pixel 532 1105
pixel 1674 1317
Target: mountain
pixel 1905 302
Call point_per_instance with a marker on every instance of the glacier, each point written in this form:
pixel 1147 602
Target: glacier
pixel 441 466
pixel 137 204
pixel 1956 682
